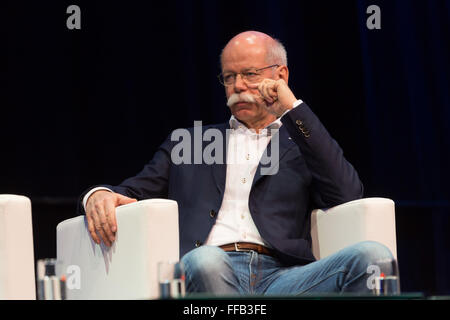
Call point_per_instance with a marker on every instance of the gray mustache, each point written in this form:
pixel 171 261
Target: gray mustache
pixel 240 97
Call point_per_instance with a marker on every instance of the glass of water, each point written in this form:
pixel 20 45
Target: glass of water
pixel 50 285
pixel 171 278
pixel 388 285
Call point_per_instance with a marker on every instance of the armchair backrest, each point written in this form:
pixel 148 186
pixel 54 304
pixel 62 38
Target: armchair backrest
pixel 17 276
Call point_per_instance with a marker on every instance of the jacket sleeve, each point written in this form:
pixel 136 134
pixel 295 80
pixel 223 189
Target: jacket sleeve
pixel 334 180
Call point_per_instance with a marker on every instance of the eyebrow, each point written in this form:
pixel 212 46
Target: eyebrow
pixel 246 69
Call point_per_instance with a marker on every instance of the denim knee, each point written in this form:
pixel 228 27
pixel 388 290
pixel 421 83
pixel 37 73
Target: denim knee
pixel 205 260
pixel 209 269
pixel 372 253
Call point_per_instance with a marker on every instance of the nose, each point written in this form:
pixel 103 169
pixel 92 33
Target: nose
pixel 239 84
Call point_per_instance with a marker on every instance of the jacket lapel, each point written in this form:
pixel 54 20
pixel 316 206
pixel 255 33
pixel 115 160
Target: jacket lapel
pixel 285 144
pixel 219 170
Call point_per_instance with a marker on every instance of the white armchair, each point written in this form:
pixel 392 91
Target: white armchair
pixel 17 277
pixel 353 222
pixel 148 233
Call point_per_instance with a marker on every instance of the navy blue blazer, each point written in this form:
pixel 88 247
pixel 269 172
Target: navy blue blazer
pixel 312 173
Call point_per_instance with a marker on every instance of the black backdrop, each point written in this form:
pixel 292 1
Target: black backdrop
pixel 90 106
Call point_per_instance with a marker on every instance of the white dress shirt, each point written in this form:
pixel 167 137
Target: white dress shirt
pixel 234 222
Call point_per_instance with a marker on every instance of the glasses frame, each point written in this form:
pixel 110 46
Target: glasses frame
pixel 220 75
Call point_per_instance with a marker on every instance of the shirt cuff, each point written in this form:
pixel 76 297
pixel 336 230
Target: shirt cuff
pixel 87 195
pixel 294 105
pixel 297 103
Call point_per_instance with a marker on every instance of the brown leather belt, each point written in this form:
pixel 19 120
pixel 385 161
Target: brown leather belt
pixel 247 246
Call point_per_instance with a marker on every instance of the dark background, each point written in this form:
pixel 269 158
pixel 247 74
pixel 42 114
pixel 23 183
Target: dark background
pixel 90 106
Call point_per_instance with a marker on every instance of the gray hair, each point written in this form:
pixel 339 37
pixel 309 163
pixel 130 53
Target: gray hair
pixel 276 53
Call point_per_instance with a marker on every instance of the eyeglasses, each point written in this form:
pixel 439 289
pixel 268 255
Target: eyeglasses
pixel 249 76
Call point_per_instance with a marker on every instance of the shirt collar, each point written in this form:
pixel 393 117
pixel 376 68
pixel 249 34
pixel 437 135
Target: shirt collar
pixel 236 124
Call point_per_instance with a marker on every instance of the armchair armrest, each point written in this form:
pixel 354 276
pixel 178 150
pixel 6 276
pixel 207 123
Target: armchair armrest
pixel 147 233
pixel 352 222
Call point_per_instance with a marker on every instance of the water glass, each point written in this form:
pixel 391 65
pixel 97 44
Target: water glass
pixel 386 286
pixel 49 285
pixel 171 278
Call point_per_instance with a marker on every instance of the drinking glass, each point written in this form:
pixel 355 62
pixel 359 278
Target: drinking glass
pixel 49 285
pixel 171 278
pixel 388 285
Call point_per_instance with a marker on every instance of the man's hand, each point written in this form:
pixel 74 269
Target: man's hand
pixel 101 214
pixel 276 94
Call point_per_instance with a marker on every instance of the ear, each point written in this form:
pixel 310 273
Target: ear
pixel 282 73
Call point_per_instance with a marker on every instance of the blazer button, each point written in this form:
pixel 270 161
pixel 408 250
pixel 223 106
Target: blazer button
pixel 212 213
pixel 197 243
pixel 299 122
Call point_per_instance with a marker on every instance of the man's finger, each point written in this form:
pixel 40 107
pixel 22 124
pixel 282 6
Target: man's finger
pixel 91 228
pixel 267 89
pixel 268 92
pixel 273 91
pixel 111 215
pixel 103 235
pixel 98 225
pixel 121 200
pixel 103 215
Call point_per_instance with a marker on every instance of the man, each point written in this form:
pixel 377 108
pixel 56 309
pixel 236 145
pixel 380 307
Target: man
pixel 242 231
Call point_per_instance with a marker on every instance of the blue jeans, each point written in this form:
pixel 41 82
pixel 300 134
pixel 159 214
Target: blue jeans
pixel 211 270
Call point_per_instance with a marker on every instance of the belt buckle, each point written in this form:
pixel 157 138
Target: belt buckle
pixel 236 248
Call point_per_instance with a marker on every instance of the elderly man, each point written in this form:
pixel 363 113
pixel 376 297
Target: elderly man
pixel 241 231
